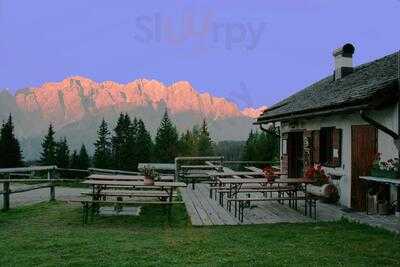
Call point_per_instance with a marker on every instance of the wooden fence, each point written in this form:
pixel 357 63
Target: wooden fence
pixel 7 174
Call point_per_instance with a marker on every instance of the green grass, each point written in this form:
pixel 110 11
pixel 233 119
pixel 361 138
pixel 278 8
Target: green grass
pixel 51 234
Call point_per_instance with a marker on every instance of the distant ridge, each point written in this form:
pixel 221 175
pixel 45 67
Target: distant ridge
pixel 76 104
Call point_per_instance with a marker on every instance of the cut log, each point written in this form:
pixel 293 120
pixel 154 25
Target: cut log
pixel 325 191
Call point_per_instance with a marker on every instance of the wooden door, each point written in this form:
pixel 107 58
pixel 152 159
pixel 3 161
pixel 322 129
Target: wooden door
pixel 295 151
pixel 364 147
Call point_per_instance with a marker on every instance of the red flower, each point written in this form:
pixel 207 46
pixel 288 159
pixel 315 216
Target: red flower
pixel 317 174
pixel 268 172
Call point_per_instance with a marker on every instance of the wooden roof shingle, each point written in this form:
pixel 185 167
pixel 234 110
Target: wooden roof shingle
pixel 367 82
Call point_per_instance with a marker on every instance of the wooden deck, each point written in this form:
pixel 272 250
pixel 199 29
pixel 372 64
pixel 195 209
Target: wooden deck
pixel 204 211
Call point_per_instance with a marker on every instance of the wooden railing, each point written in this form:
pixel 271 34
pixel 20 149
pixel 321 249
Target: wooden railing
pixel 206 160
pixel 7 178
pixel 97 170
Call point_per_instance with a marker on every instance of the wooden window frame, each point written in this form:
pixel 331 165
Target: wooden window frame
pixel 326 148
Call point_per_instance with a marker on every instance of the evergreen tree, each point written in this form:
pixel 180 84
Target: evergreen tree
pixel 48 155
pixel 230 150
pixel 250 147
pixel 119 141
pixel 268 146
pixel 130 151
pixel 102 155
pixel 84 159
pixel 166 143
pixel 144 143
pixel 205 146
pixel 62 153
pixel 10 150
pixel 187 144
pixel 74 163
pixel 262 146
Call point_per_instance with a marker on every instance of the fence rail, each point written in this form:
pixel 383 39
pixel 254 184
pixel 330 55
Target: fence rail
pixel 49 182
pixel 112 171
pixel 28 169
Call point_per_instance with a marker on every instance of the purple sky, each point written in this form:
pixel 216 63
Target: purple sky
pixel 252 52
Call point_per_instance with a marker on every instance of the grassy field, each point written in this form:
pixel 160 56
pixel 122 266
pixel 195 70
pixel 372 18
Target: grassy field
pixel 52 235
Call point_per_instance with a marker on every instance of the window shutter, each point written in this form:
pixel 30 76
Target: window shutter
pixel 285 137
pixel 337 148
pixel 315 146
pixel 308 149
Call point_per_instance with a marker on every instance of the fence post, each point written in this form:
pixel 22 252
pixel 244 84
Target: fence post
pixel 52 187
pixel 6 196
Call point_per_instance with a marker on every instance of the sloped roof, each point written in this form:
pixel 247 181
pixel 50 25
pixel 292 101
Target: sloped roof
pixel 362 86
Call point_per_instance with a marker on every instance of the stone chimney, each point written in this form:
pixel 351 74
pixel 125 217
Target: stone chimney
pixel 343 61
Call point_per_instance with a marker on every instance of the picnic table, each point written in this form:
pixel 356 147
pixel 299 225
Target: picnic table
pixel 199 167
pixel 127 187
pixel 124 177
pixel 192 174
pixel 99 185
pixel 233 186
pixel 276 172
pixel 235 173
pixel 161 167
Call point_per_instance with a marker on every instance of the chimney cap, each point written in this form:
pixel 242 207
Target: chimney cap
pixel 347 50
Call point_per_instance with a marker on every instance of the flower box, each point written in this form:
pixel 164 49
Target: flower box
pixel 384 173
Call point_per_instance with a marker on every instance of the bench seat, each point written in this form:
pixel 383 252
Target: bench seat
pixel 265 199
pixel 310 204
pixel 260 190
pixel 89 201
pixel 129 193
pixel 94 204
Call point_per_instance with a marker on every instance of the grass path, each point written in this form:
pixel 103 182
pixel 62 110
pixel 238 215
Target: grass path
pixel 51 234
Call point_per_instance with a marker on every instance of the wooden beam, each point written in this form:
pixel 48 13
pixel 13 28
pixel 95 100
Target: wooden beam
pixel 378 125
pixel 27 169
pixel 308 114
pixel 22 190
pixel 33 180
pixel 250 162
pixel 72 170
pixel 112 171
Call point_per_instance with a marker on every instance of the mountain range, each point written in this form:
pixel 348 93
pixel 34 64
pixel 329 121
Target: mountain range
pixel 76 105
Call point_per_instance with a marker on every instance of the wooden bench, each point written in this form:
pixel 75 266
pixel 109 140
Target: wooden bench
pixel 162 195
pixel 248 189
pixel 93 205
pixel 264 191
pixel 310 204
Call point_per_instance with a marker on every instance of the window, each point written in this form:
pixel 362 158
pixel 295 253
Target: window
pixel 327 146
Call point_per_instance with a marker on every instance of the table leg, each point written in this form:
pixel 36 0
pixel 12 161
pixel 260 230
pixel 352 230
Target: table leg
pixel 398 202
pixel 93 192
pixel 305 205
pixel 237 188
pixel 366 197
pixel 171 194
pixel 229 196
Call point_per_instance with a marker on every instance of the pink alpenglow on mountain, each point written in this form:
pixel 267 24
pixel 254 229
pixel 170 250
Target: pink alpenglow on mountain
pixel 253 112
pixel 76 106
pixel 69 100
